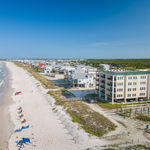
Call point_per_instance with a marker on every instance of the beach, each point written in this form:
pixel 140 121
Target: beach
pixel 47 128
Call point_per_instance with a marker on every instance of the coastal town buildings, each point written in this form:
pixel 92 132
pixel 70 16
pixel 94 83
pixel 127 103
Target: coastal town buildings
pixel 104 66
pixel 123 85
pixel 80 79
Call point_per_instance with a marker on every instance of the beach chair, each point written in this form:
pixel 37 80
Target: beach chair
pixel 20 111
pixel 20 108
pixel 24 127
pixel 21 143
pixel 18 130
pixel 23 121
pixel 17 93
pixel 26 140
pixel 21 116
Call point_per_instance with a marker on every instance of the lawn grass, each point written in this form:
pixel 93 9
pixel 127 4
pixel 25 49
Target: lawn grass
pixel 91 121
pixel 109 105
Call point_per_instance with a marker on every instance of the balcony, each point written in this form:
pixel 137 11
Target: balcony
pixel 109 95
pixel 110 78
pixel 97 84
pixel 109 84
pixel 103 81
pixel 102 76
pixel 103 91
pixel 109 89
pixel 103 86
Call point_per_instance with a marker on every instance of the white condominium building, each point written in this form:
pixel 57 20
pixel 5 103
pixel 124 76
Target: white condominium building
pixel 120 85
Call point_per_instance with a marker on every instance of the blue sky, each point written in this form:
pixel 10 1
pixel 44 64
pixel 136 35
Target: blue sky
pixel 75 28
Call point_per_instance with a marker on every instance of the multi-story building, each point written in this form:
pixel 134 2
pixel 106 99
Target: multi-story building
pixel 123 85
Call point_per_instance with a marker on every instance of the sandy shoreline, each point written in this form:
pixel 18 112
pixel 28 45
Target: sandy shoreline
pixel 48 129
pixel 6 126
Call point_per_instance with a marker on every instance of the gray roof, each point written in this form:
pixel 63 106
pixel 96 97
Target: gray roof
pixel 79 75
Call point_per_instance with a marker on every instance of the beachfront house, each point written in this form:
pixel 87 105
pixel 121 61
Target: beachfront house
pixel 80 79
pixel 48 69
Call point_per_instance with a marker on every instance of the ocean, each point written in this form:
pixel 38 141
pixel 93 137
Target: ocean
pixel 5 100
pixel 3 81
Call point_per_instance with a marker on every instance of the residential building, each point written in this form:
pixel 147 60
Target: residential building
pixel 104 66
pixel 123 85
pixel 48 69
pixel 82 80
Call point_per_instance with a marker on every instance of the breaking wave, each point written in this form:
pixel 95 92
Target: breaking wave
pixel 1 82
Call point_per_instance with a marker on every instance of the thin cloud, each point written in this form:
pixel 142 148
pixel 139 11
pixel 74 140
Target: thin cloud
pixel 97 44
pixel 116 43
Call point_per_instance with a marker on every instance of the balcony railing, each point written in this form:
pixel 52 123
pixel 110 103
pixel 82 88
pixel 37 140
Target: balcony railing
pixel 103 81
pixel 102 76
pixel 110 84
pixel 110 78
pixel 109 89
pixel 102 86
pixel 103 91
pixel 109 95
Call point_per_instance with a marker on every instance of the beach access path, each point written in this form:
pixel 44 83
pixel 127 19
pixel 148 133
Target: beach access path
pixel 46 130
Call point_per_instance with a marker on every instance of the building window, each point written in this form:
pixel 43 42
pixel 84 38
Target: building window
pixel 142 88
pixel 129 83
pixel 120 78
pixel 143 77
pixel 142 94
pixel 119 95
pixel 129 95
pixel 134 83
pixel 130 78
pixel 133 95
pixel 134 89
pixel 120 83
pixel 142 83
pixel 129 89
pixel 135 77
pixel 120 90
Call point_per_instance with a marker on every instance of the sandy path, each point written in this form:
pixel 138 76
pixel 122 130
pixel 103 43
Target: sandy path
pixel 133 132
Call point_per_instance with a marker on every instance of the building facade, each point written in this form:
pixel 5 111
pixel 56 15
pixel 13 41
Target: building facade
pixel 122 86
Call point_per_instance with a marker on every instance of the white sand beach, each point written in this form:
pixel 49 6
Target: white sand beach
pixel 48 129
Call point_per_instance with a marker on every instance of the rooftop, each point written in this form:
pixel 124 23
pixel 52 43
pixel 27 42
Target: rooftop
pixel 124 72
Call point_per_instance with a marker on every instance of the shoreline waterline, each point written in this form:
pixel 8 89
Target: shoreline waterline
pixel 6 125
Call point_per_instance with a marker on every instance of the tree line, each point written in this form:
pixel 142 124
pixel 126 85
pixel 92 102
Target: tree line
pixel 120 63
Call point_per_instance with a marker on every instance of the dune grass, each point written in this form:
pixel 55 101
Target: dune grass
pixel 34 72
pixel 90 120
pixel 143 118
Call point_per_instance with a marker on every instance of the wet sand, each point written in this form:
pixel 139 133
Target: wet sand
pixel 6 126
